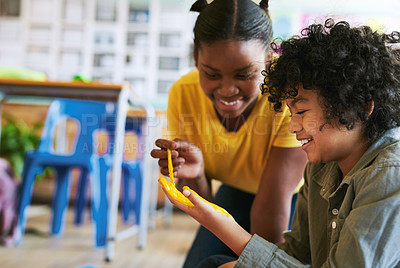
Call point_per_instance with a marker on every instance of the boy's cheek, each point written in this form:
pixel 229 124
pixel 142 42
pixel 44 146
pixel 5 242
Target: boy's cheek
pixel 311 124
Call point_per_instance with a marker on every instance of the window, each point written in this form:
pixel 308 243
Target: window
pixel 170 40
pixel 10 8
pixel 169 63
pixel 106 10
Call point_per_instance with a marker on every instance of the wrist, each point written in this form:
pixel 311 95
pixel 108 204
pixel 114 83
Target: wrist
pixel 201 176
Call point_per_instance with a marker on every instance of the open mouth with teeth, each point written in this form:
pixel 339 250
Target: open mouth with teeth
pixel 305 141
pixel 228 103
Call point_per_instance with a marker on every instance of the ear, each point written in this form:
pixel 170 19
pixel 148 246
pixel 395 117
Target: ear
pixel 195 57
pixel 370 107
pixel 269 56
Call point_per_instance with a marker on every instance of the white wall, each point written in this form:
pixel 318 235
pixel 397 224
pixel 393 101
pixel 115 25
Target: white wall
pixel 380 14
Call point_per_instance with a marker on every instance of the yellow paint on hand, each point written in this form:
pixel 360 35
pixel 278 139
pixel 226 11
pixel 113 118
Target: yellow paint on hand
pixel 170 167
pixel 216 207
pixel 177 195
pixel 174 193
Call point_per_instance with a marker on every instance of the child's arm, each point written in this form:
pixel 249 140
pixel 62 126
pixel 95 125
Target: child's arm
pixel 225 228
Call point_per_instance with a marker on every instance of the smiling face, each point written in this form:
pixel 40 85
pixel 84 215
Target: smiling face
pixel 321 141
pixel 230 74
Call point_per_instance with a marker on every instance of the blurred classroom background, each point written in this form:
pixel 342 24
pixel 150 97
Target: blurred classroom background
pixel 146 43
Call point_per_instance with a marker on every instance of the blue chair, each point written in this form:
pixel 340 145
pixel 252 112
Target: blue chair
pixel 131 177
pixel 131 190
pixel 89 116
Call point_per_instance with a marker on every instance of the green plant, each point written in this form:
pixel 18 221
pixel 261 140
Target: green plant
pixel 16 139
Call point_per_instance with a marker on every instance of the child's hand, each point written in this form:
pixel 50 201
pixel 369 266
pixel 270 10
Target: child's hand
pixel 172 192
pixel 187 159
pixel 222 225
pixel 193 204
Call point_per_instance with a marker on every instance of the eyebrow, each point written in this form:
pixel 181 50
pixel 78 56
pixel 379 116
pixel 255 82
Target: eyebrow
pixel 297 99
pixel 238 70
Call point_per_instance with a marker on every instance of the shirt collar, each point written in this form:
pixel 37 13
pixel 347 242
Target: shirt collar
pixel 329 174
pixel 391 136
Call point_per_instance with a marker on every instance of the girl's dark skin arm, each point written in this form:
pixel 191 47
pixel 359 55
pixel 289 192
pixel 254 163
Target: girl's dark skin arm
pixel 272 203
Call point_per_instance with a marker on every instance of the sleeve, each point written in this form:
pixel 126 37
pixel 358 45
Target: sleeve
pixel 283 136
pixel 261 253
pixel 369 236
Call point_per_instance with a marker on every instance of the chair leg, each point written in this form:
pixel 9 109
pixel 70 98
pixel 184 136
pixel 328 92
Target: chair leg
pixel 131 200
pixel 138 197
pixel 60 200
pixel 81 197
pixel 98 176
pixel 126 193
pixel 24 199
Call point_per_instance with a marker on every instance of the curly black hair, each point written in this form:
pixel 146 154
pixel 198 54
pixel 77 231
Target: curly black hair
pixel 350 67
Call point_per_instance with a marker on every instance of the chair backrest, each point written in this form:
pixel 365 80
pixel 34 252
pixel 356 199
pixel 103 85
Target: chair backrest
pixel 134 126
pixel 136 149
pixel 89 117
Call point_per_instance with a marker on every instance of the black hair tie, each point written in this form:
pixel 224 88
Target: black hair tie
pixel 199 5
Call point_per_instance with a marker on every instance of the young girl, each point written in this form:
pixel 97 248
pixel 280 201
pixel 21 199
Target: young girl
pixel 342 86
pixel 227 131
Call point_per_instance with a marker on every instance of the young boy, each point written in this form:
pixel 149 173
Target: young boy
pixel 342 86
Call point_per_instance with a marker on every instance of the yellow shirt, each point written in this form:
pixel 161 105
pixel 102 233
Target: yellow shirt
pixel 234 158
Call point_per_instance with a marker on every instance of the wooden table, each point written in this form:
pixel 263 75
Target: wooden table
pixel 122 95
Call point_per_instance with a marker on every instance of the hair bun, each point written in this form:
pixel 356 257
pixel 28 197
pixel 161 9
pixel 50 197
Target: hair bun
pixel 264 4
pixel 199 5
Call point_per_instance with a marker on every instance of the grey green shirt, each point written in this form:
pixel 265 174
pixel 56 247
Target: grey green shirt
pixel 350 223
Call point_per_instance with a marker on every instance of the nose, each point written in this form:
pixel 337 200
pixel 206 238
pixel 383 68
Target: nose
pixel 227 88
pixel 296 124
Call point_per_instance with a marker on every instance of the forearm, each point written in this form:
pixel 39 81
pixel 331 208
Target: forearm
pixel 231 234
pixel 223 226
pixel 270 222
pixel 270 211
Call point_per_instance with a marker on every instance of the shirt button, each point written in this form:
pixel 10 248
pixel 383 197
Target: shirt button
pixel 333 225
pixel 335 211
